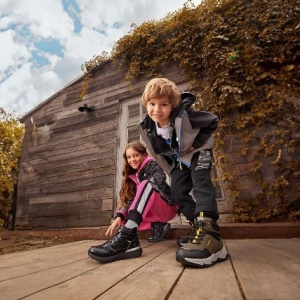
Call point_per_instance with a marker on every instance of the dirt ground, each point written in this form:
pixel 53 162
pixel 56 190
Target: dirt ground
pixel 23 240
pixel 34 243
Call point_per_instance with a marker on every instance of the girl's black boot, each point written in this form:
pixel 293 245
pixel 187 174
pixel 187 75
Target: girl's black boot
pixel 160 230
pixel 125 244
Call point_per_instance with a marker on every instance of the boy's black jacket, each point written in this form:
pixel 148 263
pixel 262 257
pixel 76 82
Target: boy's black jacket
pixel 187 127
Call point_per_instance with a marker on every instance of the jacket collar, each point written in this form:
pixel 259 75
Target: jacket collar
pixel 145 161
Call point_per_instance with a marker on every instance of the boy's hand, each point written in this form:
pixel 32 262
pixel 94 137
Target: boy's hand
pixel 191 149
pixel 111 228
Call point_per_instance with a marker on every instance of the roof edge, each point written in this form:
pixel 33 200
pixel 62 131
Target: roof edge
pixel 28 114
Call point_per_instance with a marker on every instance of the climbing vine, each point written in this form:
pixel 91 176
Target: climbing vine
pixel 243 61
pixel 88 68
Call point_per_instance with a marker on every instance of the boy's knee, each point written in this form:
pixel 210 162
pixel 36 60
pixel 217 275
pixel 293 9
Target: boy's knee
pixel 204 160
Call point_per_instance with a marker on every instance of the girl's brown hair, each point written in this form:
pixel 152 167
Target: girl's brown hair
pixel 128 187
pixel 158 88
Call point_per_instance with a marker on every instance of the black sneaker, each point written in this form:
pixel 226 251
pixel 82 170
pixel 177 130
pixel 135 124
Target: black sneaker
pixel 108 241
pixel 186 239
pixel 160 230
pixel 205 248
pixel 125 244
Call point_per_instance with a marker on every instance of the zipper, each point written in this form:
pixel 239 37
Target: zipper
pixel 180 144
pixel 180 133
pixel 182 163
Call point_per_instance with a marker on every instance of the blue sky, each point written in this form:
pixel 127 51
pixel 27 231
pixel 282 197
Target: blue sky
pixel 45 42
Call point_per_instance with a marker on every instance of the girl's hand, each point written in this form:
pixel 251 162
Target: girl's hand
pixel 111 228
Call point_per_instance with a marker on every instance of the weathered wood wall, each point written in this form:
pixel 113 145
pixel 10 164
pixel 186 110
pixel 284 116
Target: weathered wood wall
pixel 68 161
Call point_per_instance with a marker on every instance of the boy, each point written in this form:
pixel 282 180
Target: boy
pixel 180 140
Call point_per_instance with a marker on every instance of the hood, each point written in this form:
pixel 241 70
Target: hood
pixel 187 99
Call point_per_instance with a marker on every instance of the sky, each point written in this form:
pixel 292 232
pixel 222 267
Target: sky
pixel 43 43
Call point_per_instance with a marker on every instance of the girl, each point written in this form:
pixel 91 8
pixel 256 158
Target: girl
pixel 145 202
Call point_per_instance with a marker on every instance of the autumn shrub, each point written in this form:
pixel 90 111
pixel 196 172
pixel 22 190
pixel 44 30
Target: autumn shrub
pixel 11 135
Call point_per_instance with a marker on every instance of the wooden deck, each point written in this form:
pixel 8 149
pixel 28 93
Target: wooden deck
pixel 257 269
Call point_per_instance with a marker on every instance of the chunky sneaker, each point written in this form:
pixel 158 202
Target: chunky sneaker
pixel 186 239
pixel 160 230
pixel 205 248
pixel 125 244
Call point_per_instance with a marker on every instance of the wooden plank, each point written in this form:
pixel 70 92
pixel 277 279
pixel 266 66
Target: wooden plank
pixel 216 282
pixel 90 120
pixel 39 188
pixel 19 264
pixel 58 175
pixel 267 269
pixel 106 78
pixel 95 278
pixel 43 279
pixel 60 152
pixel 73 196
pixel 77 157
pixel 83 127
pixel 111 79
pixel 52 106
pixel 65 208
pixel 68 139
pixel 98 115
pixel 75 219
pixel 152 281
pixel 45 120
pixel 76 144
pixel 69 170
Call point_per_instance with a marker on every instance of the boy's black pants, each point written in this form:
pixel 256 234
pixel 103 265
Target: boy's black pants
pixel 198 180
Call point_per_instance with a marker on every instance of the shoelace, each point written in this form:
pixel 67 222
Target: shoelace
pixel 199 234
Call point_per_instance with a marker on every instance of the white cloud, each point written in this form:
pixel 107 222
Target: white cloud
pixel 45 19
pixel 28 87
pixel 86 44
pixel 29 73
pixel 16 55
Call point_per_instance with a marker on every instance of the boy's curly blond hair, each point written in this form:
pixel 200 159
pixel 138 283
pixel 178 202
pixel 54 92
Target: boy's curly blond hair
pixel 158 88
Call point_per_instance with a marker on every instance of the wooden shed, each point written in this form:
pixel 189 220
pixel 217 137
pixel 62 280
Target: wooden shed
pixel 71 162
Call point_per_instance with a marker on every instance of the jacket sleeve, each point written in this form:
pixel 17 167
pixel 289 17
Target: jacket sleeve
pixel 206 122
pixel 122 212
pixel 158 177
pixel 159 183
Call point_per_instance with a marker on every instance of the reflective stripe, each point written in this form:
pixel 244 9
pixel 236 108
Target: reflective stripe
pixel 147 191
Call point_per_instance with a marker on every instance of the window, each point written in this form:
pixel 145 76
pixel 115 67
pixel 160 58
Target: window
pixel 133 121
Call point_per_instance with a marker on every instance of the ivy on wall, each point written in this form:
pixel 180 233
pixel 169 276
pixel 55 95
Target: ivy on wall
pixel 243 60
